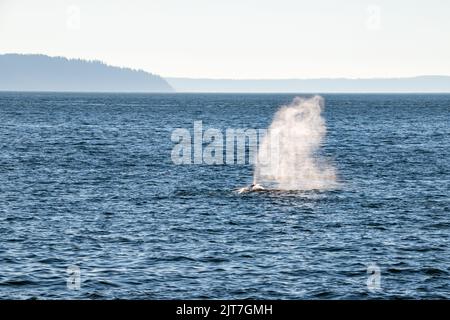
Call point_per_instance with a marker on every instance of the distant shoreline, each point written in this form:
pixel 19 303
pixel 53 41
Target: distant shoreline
pixel 419 84
pixel 41 73
pixel 224 93
pixel 36 72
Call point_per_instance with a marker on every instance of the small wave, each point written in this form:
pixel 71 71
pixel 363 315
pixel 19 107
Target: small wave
pixel 17 283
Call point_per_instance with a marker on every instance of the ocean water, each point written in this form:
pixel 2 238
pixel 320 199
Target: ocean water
pixel 87 183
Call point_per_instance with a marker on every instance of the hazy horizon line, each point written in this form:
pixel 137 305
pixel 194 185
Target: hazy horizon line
pixel 235 93
pixel 318 78
pixel 229 79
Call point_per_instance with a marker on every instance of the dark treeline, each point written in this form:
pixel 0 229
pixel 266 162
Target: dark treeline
pixel 43 73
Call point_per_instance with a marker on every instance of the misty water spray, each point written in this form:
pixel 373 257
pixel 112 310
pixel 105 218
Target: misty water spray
pixel 288 157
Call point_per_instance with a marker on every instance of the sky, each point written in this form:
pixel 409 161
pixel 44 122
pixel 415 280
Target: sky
pixel 238 39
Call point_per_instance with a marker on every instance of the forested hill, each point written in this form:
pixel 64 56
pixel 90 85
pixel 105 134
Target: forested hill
pixel 33 72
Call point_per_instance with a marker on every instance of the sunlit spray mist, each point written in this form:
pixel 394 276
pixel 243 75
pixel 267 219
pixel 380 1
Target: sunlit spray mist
pixel 288 156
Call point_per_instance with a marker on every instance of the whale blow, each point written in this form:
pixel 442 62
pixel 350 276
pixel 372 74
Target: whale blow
pixel 288 156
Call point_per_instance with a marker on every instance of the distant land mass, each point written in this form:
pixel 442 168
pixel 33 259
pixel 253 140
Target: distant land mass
pixel 423 84
pixel 35 72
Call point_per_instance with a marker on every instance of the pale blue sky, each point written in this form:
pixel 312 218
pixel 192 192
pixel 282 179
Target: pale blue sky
pixel 238 38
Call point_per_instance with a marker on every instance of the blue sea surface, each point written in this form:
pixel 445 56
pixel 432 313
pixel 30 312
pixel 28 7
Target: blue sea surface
pixel 87 181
